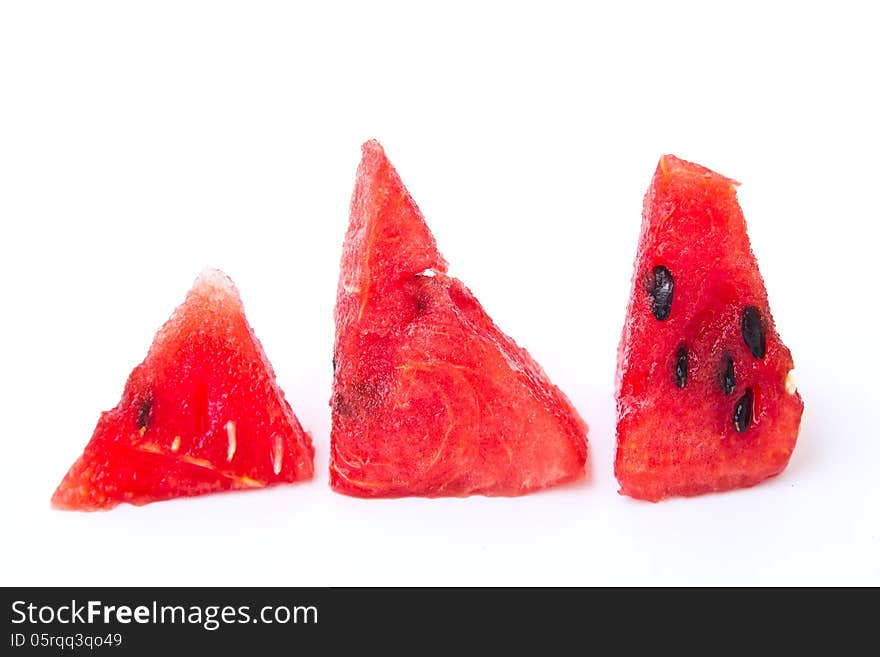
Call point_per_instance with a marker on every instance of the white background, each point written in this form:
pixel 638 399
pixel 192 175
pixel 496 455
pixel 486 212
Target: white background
pixel 139 143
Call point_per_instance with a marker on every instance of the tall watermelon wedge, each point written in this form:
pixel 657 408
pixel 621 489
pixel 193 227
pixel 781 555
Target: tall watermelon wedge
pixel 705 396
pixel 201 414
pixel 429 397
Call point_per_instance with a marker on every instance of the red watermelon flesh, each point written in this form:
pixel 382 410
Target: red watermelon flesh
pixel 430 398
pixel 201 414
pixel 705 398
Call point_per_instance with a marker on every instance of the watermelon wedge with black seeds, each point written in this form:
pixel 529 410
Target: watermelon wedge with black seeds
pixel 705 396
pixel 430 398
pixel 201 414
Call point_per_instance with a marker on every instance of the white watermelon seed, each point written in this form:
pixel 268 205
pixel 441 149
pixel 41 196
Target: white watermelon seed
pixel 277 455
pixel 230 438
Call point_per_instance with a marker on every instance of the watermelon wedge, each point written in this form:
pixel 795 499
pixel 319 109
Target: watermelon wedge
pixel 705 397
pixel 429 397
pixel 201 414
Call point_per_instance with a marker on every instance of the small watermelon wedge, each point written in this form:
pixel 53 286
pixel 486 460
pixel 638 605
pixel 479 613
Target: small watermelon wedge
pixel 201 414
pixel 705 397
pixel 429 397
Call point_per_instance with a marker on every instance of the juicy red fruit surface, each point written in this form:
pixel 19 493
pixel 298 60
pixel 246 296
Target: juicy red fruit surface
pixel 201 414
pixel 429 397
pixel 733 419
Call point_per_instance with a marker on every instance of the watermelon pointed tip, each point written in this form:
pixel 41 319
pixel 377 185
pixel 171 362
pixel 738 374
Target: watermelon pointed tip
pixel 57 501
pixel 213 277
pixel 372 146
pixel 68 497
pixel 672 165
pixel 215 284
pixel 373 160
pixel 373 150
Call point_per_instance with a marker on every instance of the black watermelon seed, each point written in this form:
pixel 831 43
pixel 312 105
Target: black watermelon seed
pixel 661 288
pixel 341 405
pixel 728 378
pixel 334 366
pixel 742 412
pixel 143 416
pixel 681 366
pixel 753 331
